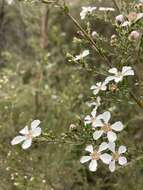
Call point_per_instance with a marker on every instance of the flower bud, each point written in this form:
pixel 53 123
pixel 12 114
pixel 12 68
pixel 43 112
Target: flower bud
pixel 72 127
pixel 120 19
pixel 134 36
pixel 139 6
pixel 113 40
pixel 94 34
pixel 113 87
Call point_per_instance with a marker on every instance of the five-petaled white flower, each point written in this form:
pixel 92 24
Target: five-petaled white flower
pixel 99 86
pixel 96 104
pixel 86 10
pixel 93 119
pixel 82 55
pixel 27 135
pixel 117 156
pixel 119 75
pixel 96 155
pixel 107 128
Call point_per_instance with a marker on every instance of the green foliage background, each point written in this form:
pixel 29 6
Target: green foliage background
pixel 38 83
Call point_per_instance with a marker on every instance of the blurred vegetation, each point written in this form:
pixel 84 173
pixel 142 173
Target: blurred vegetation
pixel 37 82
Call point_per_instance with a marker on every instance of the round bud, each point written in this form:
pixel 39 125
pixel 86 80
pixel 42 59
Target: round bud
pixel 72 127
pixel 120 19
pixel 94 34
pixel 134 36
pixel 113 40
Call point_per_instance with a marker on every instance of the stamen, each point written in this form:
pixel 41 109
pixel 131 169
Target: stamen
pixel 95 155
pixel 106 127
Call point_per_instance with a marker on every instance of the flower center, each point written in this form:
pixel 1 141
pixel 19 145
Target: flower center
pixel 29 135
pixel 115 156
pixel 93 120
pixel 95 155
pixel 106 127
pixel 119 74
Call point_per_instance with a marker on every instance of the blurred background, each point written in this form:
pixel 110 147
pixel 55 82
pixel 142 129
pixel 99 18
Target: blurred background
pixel 38 82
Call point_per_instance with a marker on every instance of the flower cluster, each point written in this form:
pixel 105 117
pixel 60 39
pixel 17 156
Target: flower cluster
pixel 104 128
pixel 106 158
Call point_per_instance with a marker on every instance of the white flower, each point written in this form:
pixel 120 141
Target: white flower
pixel 82 55
pixel 86 10
pixel 107 128
pixel 93 119
pixel 97 103
pixel 99 86
pixel 106 9
pixel 27 135
pixel 96 155
pixel 118 76
pixel 117 156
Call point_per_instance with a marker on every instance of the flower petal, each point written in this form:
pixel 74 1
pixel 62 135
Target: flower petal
pixel 85 53
pixel 35 124
pixel 93 165
pixel 126 68
pixel 97 134
pixel 97 123
pixel 117 126
pixel 93 113
pixel 106 158
pixel 106 116
pixel 122 149
pixel 108 79
pixel 111 136
pixel 93 87
pixel 122 160
pixel 89 148
pixel 113 70
pixel 96 91
pixel 112 166
pixel 85 159
pixel 18 140
pixel 103 87
pixel 103 146
pixel 24 131
pixel 130 72
pixel 27 143
pixel 36 132
pixel 87 120
pixel 111 146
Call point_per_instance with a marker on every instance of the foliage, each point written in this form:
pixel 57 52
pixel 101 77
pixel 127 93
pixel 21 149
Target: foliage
pixel 49 85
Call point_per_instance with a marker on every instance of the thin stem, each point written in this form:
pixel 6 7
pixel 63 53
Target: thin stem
pixel 60 141
pixel 85 34
pixel 116 5
pixel 89 38
pixel 136 100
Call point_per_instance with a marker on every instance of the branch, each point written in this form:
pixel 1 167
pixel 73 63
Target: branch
pixel 136 100
pixel 116 6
